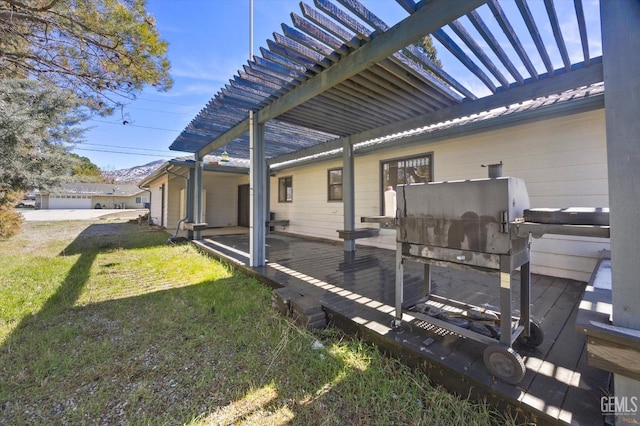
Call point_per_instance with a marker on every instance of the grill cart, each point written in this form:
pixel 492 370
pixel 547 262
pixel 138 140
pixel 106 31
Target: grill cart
pixel 471 225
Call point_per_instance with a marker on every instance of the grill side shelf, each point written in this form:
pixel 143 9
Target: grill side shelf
pixel 537 230
pixel 598 216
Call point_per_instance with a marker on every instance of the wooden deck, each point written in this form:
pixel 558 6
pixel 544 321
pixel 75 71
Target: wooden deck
pixel 357 291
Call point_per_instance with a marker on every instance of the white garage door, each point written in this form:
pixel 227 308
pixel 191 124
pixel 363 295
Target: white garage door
pixel 70 202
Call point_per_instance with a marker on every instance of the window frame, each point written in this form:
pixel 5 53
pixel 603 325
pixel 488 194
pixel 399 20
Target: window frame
pixel 331 185
pixel 428 154
pixel 282 195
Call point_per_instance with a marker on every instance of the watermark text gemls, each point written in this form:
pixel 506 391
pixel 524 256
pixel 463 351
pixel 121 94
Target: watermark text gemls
pixel 619 405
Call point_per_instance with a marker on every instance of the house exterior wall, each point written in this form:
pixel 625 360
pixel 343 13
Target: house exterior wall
pixel 111 202
pixel 172 204
pixel 221 200
pixel 222 197
pixel 42 201
pixel 562 161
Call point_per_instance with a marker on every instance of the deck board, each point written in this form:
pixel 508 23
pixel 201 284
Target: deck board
pixel 358 291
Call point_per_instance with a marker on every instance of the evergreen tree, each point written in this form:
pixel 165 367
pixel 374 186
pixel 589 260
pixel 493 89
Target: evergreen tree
pixel 38 126
pixel 426 44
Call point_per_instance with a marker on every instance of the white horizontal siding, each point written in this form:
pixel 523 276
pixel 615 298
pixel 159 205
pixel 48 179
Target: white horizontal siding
pixel 563 162
pixel 310 213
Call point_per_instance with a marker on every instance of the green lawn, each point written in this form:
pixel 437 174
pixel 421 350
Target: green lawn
pixel 104 322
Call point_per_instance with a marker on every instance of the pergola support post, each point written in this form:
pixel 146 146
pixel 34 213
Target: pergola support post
pixel 621 44
pixel 190 199
pixel 257 191
pixel 348 192
pixel 197 199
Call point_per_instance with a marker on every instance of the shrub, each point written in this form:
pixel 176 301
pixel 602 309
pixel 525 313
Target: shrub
pixel 10 223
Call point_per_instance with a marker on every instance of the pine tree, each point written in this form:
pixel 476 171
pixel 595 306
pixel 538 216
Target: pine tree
pixel 38 125
pixel 98 49
pixel 426 44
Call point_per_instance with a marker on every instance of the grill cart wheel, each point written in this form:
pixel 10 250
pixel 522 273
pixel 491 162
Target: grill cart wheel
pixel 536 335
pixel 504 363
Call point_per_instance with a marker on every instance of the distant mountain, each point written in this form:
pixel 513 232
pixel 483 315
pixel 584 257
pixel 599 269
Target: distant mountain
pixel 134 174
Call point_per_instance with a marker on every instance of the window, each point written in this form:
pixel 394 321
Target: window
pixel 285 189
pixel 406 170
pixel 335 185
pixel 138 200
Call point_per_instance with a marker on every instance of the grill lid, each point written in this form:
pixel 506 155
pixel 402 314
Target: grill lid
pixel 472 215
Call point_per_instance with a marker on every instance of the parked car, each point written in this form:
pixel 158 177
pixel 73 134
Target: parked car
pixel 25 204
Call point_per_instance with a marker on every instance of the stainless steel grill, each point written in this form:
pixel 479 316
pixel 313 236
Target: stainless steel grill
pixel 465 222
pixel 470 225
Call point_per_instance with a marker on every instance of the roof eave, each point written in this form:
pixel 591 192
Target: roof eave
pixel 581 105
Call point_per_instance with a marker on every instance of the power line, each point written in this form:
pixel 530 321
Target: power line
pixel 157 110
pixel 124 147
pixel 122 152
pixel 165 102
pixel 135 125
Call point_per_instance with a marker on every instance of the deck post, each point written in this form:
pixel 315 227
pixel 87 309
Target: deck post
pixel 197 199
pixel 621 62
pixel 348 193
pixel 257 191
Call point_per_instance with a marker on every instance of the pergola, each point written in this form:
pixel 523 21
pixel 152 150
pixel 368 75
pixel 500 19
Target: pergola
pixel 340 75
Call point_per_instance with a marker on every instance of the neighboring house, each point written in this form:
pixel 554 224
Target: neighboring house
pixel 93 195
pixel 560 154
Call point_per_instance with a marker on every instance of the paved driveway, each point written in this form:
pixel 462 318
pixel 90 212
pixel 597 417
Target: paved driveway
pixel 31 215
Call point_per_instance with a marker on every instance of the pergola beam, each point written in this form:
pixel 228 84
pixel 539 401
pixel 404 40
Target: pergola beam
pixel 235 132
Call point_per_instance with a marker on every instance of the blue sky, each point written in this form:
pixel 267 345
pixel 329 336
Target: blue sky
pixel 208 44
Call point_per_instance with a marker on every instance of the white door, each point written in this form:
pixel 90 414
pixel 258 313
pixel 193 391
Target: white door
pixel 70 202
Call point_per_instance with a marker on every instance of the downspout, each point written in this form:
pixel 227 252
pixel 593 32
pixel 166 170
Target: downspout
pixel 175 235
